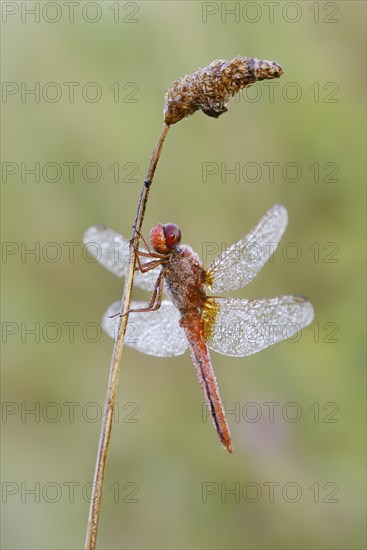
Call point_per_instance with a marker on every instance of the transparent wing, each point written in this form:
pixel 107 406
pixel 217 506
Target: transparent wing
pixel 242 327
pixel 112 251
pixel 155 333
pixel 240 263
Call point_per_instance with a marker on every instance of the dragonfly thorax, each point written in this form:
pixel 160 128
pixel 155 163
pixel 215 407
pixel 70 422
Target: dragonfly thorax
pixel 185 277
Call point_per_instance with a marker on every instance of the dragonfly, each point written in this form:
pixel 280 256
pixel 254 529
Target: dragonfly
pixel 182 315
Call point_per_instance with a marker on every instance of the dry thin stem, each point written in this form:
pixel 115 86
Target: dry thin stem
pixel 95 505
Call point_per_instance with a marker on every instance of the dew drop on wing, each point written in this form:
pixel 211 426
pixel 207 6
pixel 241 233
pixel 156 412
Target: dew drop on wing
pixel 242 261
pixel 156 333
pixel 244 327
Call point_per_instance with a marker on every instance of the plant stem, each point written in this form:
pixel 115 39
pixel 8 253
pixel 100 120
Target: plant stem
pixel 95 505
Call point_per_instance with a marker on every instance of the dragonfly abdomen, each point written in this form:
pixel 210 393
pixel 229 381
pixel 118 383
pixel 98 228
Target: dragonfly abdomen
pixel 193 326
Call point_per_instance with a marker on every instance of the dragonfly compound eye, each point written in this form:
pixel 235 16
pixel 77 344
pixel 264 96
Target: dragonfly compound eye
pixel 172 234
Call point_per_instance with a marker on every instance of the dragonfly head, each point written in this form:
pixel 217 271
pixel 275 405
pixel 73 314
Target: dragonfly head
pixel 165 238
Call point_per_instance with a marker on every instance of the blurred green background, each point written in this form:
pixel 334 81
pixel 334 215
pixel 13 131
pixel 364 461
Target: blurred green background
pixel 295 484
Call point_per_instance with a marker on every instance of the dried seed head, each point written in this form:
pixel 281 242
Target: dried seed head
pixel 210 88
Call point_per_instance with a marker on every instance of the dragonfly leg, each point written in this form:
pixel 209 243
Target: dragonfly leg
pixel 144 241
pixel 155 301
pixel 149 253
pixel 143 268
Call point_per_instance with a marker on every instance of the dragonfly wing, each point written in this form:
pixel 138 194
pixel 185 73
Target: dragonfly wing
pixel 240 263
pixel 155 333
pixel 112 251
pixel 242 327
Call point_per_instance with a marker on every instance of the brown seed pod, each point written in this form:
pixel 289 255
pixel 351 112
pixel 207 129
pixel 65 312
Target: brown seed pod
pixel 210 88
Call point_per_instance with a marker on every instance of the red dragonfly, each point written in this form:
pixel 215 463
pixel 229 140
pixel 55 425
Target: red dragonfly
pixel 192 319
